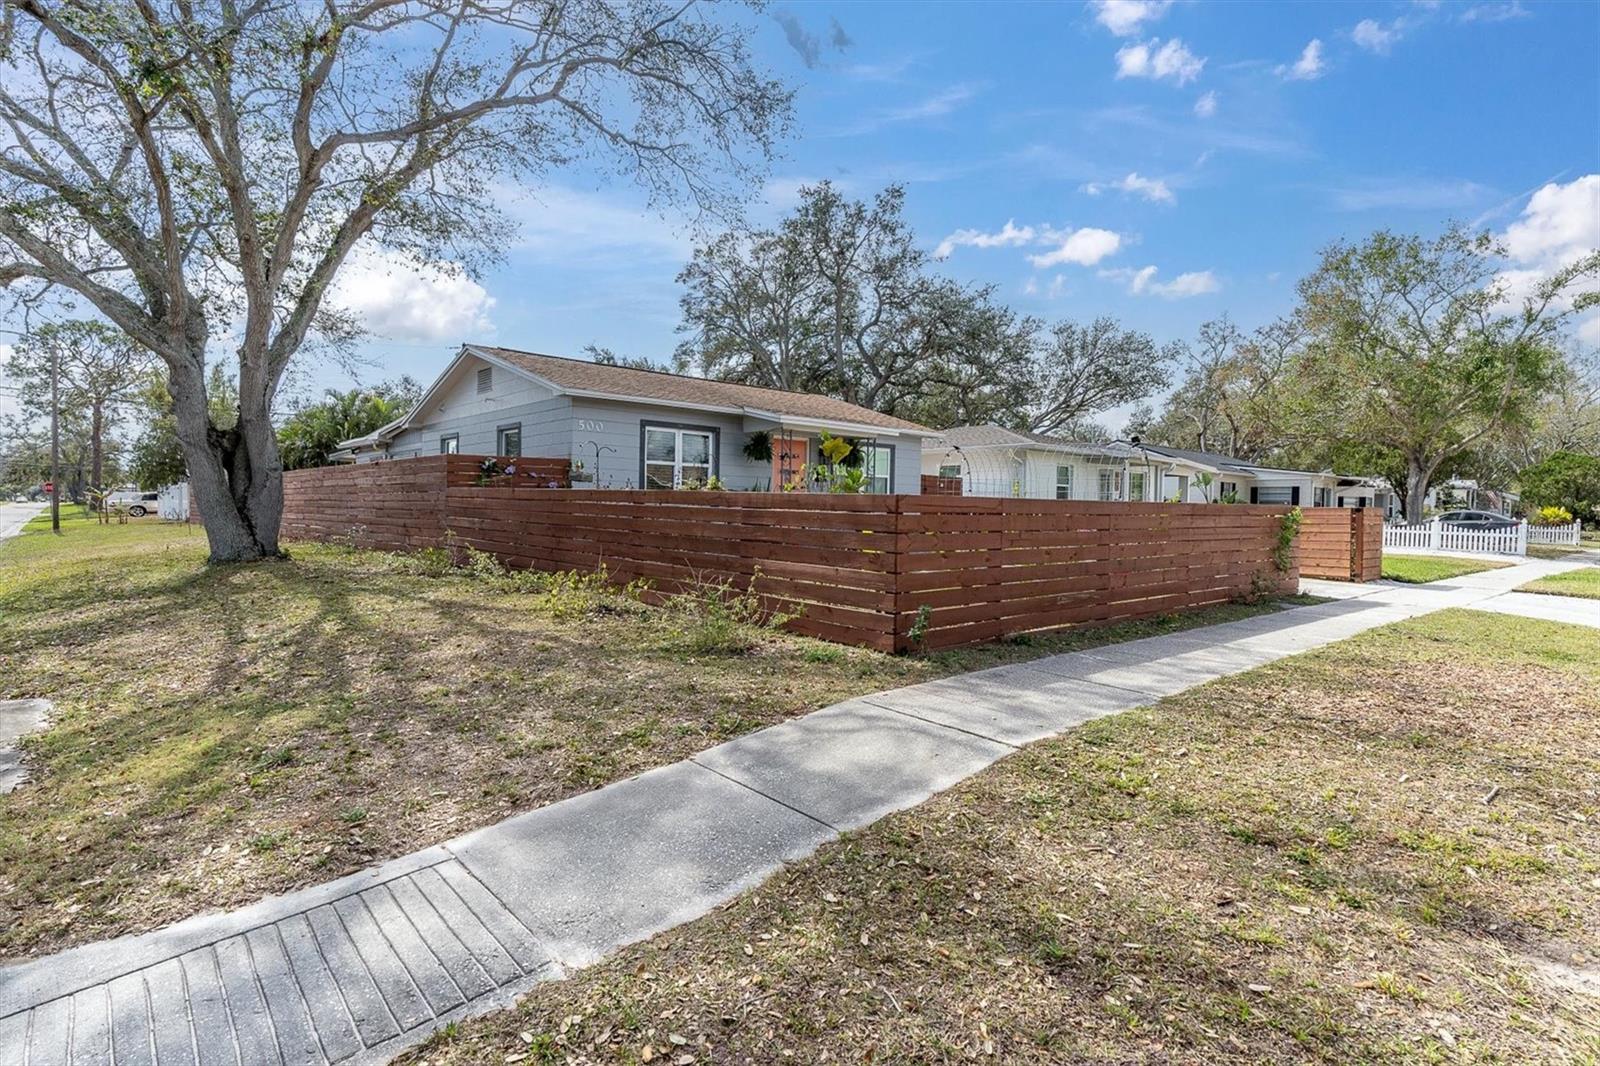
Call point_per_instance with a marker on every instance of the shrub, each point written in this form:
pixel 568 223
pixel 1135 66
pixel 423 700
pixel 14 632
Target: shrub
pixel 1552 516
pixel 711 617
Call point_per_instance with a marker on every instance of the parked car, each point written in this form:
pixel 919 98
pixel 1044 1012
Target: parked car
pixel 136 503
pixel 1478 520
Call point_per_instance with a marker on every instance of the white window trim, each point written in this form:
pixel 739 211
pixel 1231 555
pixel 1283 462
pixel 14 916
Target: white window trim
pixel 1067 484
pixel 711 434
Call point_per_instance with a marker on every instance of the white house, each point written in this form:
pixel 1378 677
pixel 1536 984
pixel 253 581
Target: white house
pixel 1247 482
pixel 995 461
pixel 627 428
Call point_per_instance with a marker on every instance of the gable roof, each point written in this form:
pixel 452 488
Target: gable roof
pixel 1216 460
pixel 585 378
pixel 993 436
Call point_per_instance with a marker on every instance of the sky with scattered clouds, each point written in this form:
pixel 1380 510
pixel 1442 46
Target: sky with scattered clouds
pixel 1163 162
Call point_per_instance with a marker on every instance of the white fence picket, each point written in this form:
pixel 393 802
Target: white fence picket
pixel 1555 534
pixel 1437 536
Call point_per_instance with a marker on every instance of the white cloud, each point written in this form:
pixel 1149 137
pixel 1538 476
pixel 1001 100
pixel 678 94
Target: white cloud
pixel 1375 37
pixel 1194 283
pixel 1560 224
pixel 400 299
pixel 1084 247
pixel 1496 12
pixel 1171 61
pixel 1153 189
pixel 1206 106
pixel 1143 280
pixel 1309 66
pixel 1008 235
pixel 1127 17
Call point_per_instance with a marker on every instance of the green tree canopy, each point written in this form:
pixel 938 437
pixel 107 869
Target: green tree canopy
pixel 1565 479
pixel 312 433
pixel 1415 344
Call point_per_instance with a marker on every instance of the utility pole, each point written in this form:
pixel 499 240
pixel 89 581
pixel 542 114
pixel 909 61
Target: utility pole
pixel 55 440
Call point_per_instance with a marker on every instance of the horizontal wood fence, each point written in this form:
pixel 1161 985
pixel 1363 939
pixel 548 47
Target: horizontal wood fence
pixel 1341 543
pixel 886 572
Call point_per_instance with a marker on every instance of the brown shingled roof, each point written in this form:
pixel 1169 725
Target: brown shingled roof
pixel 627 382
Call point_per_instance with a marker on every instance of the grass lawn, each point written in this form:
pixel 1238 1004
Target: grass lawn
pixel 1418 569
pixel 226 733
pixel 1585 582
pixel 1300 863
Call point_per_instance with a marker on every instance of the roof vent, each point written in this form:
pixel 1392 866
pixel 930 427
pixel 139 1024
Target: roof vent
pixel 485 378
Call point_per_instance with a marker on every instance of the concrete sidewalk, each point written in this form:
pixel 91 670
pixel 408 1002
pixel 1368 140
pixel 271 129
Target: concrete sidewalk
pixel 359 969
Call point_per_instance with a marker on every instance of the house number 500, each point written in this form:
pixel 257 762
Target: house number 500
pixel 591 427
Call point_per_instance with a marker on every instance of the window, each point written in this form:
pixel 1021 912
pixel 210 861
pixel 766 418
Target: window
pixel 879 463
pixel 1110 484
pixel 508 440
pixel 675 456
pixel 1175 487
pixel 1322 498
pixel 1136 485
pixel 1063 482
pixel 1275 494
pixel 950 470
pixel 485 378
pixel 450 444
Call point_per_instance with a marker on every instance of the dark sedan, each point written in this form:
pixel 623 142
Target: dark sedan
pixel 1478 520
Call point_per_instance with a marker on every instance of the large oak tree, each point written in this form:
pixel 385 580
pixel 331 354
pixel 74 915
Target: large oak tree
pixel 1417 345
pixel 199 172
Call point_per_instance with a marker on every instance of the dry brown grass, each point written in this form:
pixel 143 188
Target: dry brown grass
pixel 1295 864
pixel 224 734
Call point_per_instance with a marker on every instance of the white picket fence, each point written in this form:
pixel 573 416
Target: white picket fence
pixel 1439 536
pixel 1555 534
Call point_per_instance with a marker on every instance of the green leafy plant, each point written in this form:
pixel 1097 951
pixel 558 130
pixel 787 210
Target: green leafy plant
pixel 712 616
pixel 1288 529
pixel 758 447
pixel 918 633
pixel 1552 516
pixel 488 470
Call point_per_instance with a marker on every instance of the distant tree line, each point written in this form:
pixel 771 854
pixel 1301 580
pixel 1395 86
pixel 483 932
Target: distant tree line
pixel 1405 356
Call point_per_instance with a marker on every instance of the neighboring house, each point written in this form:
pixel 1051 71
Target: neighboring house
pixel 1249 482
pixel 628 428
pixel 994 461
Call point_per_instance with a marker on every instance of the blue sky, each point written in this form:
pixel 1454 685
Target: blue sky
pixel 1166 162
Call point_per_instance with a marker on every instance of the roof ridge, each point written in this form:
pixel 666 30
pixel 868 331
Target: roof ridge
pixel 665 373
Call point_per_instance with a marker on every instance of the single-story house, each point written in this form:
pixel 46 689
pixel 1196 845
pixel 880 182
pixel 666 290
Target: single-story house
pixel 994 461
pixel 1248 482
pixel 627 428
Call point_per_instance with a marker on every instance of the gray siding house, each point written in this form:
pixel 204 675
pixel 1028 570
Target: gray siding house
pixel 627 428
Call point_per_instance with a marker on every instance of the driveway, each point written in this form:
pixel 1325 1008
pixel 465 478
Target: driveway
pixel 13 516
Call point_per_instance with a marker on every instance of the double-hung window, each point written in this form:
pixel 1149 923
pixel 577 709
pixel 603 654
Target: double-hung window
pixel 508 440
pixel 450 444
pixel 1063 482
pixel 674 457
pixel 878 460
pixel 1110 484
pixel 1136 485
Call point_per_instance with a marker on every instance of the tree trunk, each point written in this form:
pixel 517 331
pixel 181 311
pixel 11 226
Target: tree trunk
pixel 1418 474
pixel 236 475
